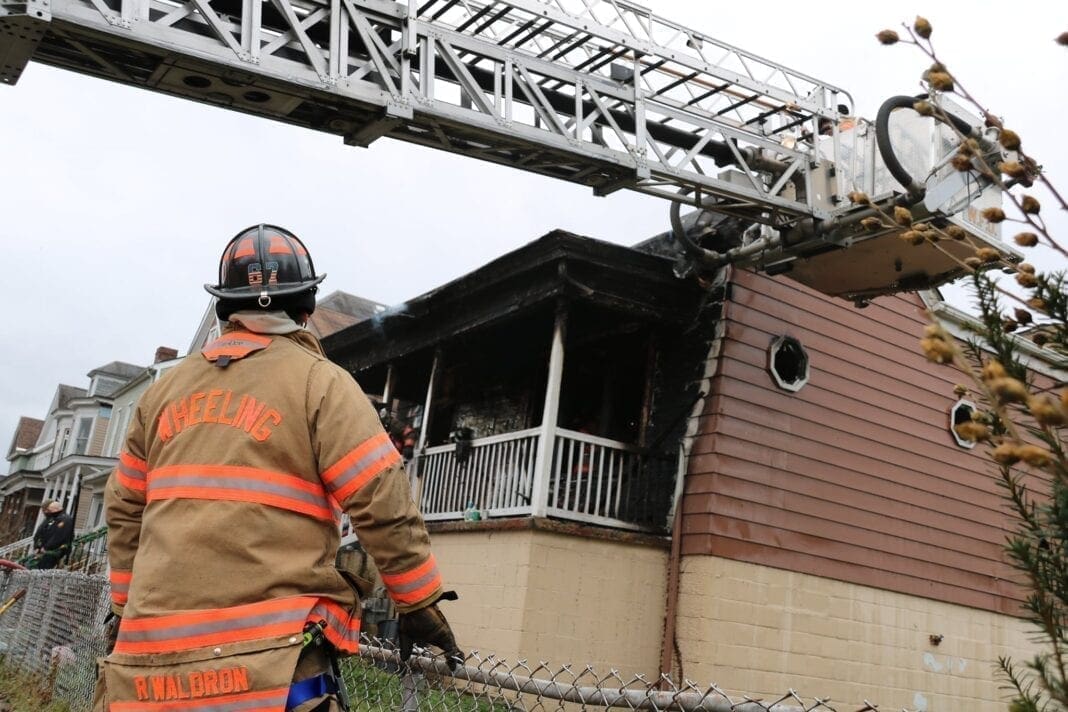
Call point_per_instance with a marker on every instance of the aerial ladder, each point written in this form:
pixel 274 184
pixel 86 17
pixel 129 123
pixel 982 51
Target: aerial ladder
pixel 603 93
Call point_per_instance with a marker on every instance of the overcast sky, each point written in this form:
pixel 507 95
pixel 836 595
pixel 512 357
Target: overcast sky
pixel 116 202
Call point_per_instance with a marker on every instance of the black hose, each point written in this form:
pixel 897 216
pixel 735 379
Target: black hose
pixel 915 189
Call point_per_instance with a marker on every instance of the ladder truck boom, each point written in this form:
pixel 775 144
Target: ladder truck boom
pixel 603 93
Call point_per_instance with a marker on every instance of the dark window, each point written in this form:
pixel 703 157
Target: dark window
pixel 788 363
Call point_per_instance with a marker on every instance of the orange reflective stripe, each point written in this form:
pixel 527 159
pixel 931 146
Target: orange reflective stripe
pixel 360 465
pixel 412 586
pixel 244 248
pixel 342 627
pixel 273 700
pixel 120 585
pixel 240 484
pixel 198 629
pixel 130 472
pixel 279 246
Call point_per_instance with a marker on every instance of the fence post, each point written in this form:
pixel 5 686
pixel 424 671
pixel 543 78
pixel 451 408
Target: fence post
pixel 539 495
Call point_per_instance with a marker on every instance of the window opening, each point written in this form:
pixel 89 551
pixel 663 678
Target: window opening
pixel 788 363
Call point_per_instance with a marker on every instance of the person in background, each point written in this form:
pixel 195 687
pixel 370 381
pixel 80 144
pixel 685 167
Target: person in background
pixel 53 538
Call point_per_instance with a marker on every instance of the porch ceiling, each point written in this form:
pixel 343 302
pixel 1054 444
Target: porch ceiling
pixel 560 265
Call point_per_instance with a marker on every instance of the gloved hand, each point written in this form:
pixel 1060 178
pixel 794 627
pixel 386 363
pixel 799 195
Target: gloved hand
pixel 427 626
pixel 111 631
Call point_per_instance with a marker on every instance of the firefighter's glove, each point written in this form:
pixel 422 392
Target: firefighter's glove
pixel 111 631
pixel 427 626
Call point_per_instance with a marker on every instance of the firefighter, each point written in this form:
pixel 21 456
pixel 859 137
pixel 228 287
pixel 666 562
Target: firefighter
pixel 223 511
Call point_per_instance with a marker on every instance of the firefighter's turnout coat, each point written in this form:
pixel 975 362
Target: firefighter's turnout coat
pixel 223 525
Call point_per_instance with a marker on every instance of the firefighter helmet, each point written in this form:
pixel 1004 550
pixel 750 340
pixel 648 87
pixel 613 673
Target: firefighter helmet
pixel 263 262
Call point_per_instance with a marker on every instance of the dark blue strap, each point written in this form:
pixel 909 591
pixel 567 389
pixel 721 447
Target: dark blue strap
pixel 301 692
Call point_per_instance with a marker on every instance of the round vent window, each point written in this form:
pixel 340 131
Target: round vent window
pixel 961 413
pixel 788 363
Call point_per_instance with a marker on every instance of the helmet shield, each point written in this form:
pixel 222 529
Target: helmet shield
pixel 262 262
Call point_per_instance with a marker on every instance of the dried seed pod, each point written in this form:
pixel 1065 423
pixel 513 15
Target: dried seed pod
pixel 1026 267
pixel 1023 316
pixel 1033 455
pixel 934 331
pixel 960 390
pixel 872 223
pixel 972 431
pixel 859 198
pixel 937 350
pixel 961 162
pixel 923 108
pixel 1026 279
pixel 1013 169
pixel 1062 38
pixel 973 262
pixel 902 216
pixel 1039 339
pixel 940 81
pixel 956 232
pixel 987 254
pixel 887 37
pixel 1009 390
pixel 1037 303
pixel 922 27
pixel 1009 139
pixel 912 237
pixel 1008 325
pixel 1030 205
pixel 1026 239
pixel 994 215
pixel 991 120
pixel 993 370
pixel 1045 411
pixel 1005 454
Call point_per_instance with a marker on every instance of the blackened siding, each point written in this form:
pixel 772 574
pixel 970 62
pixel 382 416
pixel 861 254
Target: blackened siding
pixel 855 477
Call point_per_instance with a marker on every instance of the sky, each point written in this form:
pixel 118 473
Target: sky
pixel 116 202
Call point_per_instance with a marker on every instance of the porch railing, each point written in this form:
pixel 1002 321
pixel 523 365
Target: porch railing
pixel 496 476
pixel 590 479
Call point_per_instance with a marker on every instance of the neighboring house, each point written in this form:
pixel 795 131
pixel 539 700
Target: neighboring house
pixel 69 450
pixel 22 488
pixel 124 403
pixel 751 483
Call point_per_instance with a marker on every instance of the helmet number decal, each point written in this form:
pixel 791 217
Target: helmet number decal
pixel 255 276
pixel 272 273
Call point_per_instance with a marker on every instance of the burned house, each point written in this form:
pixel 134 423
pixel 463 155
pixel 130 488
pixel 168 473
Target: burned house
pixel 744 482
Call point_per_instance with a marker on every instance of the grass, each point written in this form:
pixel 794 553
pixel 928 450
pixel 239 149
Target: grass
pixel 25 693
pixel 372 688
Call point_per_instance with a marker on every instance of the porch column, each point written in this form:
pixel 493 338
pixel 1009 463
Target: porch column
pixel 64 492
pixel 387 390
pixel 539 496
pixel 424 428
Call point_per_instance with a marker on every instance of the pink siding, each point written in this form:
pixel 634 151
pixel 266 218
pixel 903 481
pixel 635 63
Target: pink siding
pixel 856 476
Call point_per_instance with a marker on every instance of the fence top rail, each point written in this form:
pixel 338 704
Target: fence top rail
pixel 583 685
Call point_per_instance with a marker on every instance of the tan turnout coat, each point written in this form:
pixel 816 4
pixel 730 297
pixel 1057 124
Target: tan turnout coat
pixel 223 525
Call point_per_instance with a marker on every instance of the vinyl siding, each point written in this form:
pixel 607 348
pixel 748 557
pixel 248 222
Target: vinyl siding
pixel 856 476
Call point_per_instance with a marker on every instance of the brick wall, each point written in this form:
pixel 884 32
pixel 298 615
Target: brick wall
pixel 555 597
pixel 761 631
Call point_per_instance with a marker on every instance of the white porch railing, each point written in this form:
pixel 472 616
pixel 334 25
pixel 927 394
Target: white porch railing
pixel 496 477
pixel 591 479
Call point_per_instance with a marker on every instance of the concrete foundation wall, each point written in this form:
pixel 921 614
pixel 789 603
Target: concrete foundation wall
pixel 761 631
pixel 539 595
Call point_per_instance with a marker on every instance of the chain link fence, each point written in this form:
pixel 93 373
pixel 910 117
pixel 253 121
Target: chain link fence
pixel 51 630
